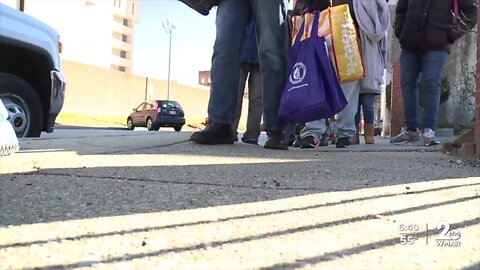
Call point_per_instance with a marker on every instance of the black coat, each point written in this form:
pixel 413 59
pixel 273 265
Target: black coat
pixel 426 25
pixel 321 5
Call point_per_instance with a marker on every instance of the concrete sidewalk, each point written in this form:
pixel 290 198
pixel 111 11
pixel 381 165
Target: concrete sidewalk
pixel 157 201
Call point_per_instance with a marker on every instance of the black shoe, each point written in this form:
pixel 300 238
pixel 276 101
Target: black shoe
pixel 214 134
pixel 276 140
pixel 297 142
pixel 343 142
pixel 235 136
pixel 309 142
pixel 291 140
pixel 201 6
pixel 250 141
pixel 323 140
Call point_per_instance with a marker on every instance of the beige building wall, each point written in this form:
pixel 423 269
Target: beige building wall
pixel 93 90
pixel 94 32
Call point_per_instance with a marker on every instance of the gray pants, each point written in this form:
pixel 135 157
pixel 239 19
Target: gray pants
pixel 345 118
pixel 252 73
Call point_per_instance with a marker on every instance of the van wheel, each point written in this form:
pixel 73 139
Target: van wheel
pixel 177 128
pixel 24 107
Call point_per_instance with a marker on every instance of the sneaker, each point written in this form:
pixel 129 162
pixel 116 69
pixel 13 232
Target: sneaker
pixel 276 140
pixel 309 142
pixel 250 141
pixel 343 142
pixel 406 136
pixel 428 137
pixel 214 134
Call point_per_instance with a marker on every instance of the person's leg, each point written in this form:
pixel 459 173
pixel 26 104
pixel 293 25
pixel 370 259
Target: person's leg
pixel 272 40
pixel 368 106
pixel 356 138
pixel 346 118
pixel 255 108
pixel 231 20
pixel 432 67
pixel 314 129
pixel 359 108
pixel 241 90
pixel 410 66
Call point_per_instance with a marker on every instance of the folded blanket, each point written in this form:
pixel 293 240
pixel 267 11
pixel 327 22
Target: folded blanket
pixel 8 139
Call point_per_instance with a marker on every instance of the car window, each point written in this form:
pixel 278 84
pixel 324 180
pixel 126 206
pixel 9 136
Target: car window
pixel 149 106
pixel 141 106
pixel 170 104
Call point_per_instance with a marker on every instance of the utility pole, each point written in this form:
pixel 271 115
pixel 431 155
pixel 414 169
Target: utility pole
pixel 168 29
pixel 21 5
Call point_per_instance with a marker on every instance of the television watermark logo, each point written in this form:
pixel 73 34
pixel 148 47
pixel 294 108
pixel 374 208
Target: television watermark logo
pixel 448 237
pixel 445 236
pixel 409 233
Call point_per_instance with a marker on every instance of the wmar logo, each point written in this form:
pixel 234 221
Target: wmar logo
pixel 298 73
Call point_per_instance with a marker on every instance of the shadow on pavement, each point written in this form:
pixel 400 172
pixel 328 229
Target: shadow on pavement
pixel 173 182
pixel 268 226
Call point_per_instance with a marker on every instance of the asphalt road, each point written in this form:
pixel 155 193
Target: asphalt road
pixel 153 200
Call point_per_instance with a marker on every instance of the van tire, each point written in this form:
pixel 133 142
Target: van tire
pixel 21 100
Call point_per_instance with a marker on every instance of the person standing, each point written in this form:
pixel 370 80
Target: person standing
pixel 272 39
pixel 373 19
pixel 312 133
pixel 426 31
pixel 249 70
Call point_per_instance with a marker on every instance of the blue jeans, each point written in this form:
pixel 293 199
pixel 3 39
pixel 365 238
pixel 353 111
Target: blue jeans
pixel 430 66
pixel 366 104
pixel 272 39
pixel 345 118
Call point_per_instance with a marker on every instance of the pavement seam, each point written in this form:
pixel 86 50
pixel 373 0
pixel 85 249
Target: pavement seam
pixel 141 148
pixel 179 182
pixel 171 182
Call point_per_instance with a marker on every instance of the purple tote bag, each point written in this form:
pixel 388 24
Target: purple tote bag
pixel 312 91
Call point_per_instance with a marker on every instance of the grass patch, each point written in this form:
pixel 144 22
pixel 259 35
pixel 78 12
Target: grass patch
pixel 91 120
pixel 101 120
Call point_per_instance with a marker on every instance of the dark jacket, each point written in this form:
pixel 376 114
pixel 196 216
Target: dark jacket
pixel 426 25
pixel 321 5
pixel 249 53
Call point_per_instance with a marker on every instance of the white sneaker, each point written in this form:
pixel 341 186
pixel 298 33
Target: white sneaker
pixel 429 138
pixel 406 136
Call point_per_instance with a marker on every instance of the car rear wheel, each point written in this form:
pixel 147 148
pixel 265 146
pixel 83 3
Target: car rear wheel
pixel 130 125
pixel 150 125
pixel 23 105
pixel 177 128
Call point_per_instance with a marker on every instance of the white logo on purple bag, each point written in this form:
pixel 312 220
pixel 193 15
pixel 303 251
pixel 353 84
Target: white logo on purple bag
pixel 298 73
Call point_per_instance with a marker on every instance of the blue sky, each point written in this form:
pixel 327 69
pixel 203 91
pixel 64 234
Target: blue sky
pixel 192 41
